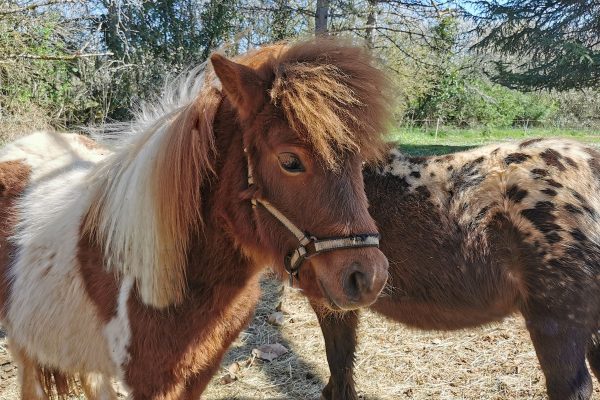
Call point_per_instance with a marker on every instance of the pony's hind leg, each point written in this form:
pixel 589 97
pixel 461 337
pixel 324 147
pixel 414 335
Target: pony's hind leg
pixel 97 387
pixel 30 374
pixel 593 355
pixel 561 348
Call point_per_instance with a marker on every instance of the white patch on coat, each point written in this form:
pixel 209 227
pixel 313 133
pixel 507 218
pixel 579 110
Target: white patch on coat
pixel 118 330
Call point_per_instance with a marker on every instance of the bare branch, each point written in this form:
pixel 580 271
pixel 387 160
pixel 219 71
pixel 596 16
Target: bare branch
pixel 69 57
pixel 32 7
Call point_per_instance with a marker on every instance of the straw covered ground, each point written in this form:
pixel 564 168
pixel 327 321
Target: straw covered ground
pixel 393 362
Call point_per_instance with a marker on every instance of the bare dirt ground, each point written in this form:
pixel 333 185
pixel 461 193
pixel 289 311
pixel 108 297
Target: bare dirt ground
pixel 393 362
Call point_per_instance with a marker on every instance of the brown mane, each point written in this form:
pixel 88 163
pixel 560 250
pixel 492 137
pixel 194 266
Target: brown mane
pixel 330 92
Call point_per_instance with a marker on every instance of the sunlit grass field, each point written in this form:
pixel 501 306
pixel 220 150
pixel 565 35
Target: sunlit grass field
pixel 421 141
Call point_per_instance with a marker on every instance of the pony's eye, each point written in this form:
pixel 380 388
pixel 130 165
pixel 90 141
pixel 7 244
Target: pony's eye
pixel 291 163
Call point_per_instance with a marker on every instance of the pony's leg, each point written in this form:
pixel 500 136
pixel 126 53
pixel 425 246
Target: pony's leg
pixel 30 376
pixel 561 348
pixel 593 355
pixel 339 332
pixel 97 387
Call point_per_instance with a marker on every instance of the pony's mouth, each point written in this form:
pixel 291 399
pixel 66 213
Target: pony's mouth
pixel 330 301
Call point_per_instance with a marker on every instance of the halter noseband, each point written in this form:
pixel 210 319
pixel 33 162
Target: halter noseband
pixel 310 245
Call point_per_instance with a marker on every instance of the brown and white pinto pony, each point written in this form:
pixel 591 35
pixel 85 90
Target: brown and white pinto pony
pixel 475 236
pixel 142 263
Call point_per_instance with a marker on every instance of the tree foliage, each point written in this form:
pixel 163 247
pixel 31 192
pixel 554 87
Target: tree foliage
pixel 551 44
pixel 72 62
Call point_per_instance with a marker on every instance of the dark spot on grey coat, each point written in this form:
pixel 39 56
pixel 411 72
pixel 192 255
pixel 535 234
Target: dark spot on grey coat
pixel 539 173
pixel 415 174
pixel 418 160
pixel 541 216
pixel 578 235
pixel 529 142
pixel 449 168
pixel 423 191
pixel 552 158
pixel 549 192
pixel 552 182
pixel 553 237
pixel 555 263
pixel 482 213
pixel 571 162
pixel 516 194
pixel 403 184
pixel 495 151
pixel 432 174
pixel 573 209
pixel 594 161
pixel 576 194
pixel 589 211
pixel 468 175
pixel 594 164
pixel 516 158
pixel 446 158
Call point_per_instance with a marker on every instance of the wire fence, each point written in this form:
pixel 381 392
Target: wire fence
pixel 591 126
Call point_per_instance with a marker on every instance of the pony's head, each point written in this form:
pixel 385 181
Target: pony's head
pixel 310 114
pixel 301 119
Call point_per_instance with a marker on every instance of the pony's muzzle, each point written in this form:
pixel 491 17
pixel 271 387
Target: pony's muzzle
pixel 357 281
pixel 352 279
pixel 362 284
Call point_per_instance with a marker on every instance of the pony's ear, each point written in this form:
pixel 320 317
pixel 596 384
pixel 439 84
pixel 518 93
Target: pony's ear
pixel 241 84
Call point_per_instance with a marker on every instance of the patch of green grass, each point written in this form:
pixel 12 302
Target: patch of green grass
pixel 420 141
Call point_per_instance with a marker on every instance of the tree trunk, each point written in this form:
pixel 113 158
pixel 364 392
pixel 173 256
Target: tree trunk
pixel 371 23
pixel 321 15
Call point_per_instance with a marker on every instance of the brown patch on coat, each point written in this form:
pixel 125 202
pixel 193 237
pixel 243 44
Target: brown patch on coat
pixel 101 285
pixel 14 176
pixel 184 344
pixel 89 143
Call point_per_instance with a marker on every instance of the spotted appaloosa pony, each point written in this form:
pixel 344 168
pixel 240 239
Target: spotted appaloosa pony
pixel 142 264
pixel 478 235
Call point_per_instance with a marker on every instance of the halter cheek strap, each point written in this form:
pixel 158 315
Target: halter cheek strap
pixel 309 246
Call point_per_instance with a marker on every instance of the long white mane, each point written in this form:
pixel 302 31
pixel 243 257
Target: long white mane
pixel 146 194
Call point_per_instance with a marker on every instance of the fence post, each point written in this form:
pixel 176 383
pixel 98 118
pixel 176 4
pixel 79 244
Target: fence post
pixel 437 127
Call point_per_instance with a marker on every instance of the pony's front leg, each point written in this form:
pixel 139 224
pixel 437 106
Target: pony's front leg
pixel 339 332
pixel 30 375
pixel 97 387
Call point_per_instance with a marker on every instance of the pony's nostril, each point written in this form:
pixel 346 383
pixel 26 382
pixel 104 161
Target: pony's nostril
pixel 356 283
